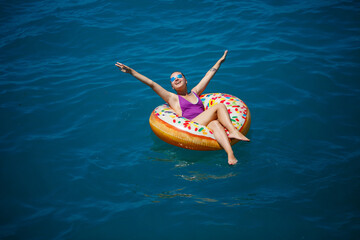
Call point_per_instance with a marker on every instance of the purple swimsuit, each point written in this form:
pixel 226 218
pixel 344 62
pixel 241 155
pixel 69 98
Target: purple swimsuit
pixel 189 110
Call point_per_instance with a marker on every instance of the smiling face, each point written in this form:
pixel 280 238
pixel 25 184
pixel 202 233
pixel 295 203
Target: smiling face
pixel 178 81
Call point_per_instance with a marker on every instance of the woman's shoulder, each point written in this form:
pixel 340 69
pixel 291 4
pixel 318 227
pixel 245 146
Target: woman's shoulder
pixel 195 92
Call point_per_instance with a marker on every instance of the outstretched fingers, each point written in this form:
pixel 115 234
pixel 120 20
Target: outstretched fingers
pixel 122 67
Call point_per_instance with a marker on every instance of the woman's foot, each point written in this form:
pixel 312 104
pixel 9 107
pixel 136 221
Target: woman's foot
pixel 232 160
pixel 238 135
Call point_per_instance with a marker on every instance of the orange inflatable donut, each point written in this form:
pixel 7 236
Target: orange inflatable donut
pixel 182 132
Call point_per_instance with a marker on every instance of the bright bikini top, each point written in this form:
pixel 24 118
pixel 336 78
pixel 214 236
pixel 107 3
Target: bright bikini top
pixel 190 110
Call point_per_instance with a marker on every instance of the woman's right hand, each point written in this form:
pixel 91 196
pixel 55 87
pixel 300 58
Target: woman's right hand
pixel 123 67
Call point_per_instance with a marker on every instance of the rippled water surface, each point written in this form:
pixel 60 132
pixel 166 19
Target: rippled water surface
pixel 79 160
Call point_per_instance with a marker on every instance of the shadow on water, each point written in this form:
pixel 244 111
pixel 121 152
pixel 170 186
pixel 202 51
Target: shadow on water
pixel 184 157
pixel 196 166
pixel 190 170
pixel 170 153
pixel 183 194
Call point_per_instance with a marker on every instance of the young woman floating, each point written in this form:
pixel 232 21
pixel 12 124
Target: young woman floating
pixel 189 105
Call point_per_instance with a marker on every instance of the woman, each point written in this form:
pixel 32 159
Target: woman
pixel 189 105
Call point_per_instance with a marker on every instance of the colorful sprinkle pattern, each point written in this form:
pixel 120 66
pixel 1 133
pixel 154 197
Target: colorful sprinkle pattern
pixel 236 108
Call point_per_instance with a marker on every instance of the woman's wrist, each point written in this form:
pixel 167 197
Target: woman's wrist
pixel 132 71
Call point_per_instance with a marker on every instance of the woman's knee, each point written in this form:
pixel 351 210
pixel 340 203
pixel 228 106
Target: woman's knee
pixel 221 106
pixel 214 124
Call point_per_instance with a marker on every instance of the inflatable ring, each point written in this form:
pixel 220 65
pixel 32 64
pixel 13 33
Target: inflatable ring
pixel 182 132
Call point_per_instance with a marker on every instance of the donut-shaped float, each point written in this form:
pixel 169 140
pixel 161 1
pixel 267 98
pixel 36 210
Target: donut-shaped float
pixel 182 132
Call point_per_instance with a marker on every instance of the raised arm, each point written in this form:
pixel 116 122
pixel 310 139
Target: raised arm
pixel 200 87
pixel 163 93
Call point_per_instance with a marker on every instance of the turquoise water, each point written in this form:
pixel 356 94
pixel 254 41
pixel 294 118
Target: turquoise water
pixel 79 160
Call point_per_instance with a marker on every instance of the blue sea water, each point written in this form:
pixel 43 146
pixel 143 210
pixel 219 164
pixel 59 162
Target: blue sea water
pixel 78 159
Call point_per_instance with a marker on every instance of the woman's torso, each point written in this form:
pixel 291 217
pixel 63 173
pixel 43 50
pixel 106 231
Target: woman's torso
pixel 190 105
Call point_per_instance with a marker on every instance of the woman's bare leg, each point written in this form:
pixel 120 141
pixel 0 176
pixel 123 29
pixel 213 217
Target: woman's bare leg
pixel 219 112
pixel 222 138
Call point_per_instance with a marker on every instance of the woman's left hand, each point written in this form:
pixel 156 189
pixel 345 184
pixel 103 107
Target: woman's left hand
pixel 222 59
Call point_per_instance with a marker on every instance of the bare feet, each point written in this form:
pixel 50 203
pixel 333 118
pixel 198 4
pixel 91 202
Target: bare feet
pixel 238 135
pixel 232 160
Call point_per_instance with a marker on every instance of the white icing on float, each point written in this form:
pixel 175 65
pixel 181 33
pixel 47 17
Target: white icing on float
pixel 182 132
